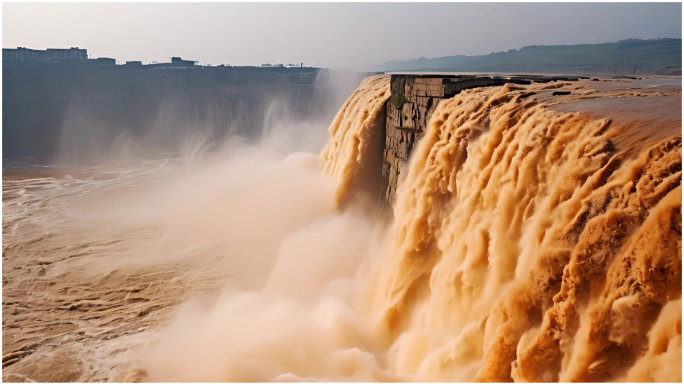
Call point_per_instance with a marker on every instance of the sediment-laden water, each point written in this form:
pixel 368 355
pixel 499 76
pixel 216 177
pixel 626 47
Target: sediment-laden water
pixel 534 238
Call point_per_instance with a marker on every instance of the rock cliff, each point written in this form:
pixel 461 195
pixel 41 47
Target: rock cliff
pixel 413 99
pixel 56 108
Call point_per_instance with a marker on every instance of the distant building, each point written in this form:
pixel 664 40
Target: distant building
pixel 178 62
pixel 75 54
pixel 277 65
pixel 50 54
pixel 105 61
pixel 21 54
pixel 59 54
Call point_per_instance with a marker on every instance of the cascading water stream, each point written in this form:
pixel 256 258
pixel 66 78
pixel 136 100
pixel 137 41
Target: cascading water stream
pixel 527 245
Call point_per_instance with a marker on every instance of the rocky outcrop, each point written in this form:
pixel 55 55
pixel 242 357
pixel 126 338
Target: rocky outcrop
pixel 414 97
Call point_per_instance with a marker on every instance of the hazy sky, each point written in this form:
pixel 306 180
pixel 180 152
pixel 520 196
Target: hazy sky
pixel 341 35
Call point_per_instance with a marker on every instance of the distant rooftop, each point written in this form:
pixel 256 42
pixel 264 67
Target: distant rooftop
pixel 50 54
pixel 76 54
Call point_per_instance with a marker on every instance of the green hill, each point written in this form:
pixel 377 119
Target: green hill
pixel 625 57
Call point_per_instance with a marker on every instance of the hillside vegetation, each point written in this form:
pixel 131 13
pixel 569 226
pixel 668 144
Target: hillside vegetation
pixel 626 57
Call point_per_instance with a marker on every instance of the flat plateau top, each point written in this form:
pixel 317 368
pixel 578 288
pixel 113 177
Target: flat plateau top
pixel 641 108
pixel 471 76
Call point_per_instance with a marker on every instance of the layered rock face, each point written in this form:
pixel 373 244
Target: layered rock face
pixel 414 99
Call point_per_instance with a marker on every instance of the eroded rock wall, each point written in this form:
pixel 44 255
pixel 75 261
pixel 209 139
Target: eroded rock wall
pixel 413 100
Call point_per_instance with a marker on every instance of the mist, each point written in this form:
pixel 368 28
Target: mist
pixel 171 211
pixel 187 123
